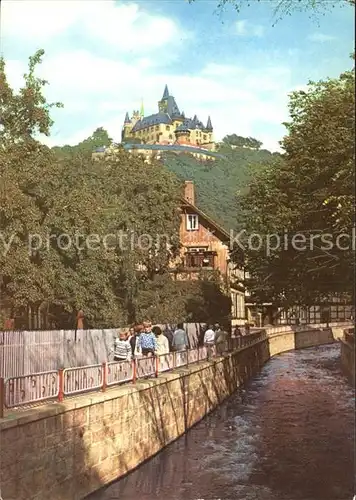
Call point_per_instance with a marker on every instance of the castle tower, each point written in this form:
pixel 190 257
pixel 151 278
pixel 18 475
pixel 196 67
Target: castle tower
pixel 127 127
pixel 163 103
pixel 182 134
pixel 209 131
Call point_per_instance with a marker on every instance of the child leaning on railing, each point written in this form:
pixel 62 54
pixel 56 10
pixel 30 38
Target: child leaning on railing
pixel 122 348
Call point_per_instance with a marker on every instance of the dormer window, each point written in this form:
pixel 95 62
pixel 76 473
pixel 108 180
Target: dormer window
pixel 192 222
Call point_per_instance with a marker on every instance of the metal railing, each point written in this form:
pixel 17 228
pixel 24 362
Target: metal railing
pixel 32 389
pixel 82 379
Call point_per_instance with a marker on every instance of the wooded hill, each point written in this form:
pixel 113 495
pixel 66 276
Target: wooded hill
pixel 218 183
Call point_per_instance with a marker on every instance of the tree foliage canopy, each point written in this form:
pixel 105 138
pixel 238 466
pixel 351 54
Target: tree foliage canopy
pixel 244 142
pixel 99 137
pixel 308 195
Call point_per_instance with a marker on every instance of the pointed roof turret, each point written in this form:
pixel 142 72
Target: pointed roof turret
pixel 127 118
pixel 142 110
pixel 209 125
pixel 165 93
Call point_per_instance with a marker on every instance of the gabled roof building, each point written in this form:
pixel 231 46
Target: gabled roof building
pixel 168 126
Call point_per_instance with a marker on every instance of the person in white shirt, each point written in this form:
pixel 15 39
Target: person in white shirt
pixel 162 341
pixel 209 336
pixel 209 340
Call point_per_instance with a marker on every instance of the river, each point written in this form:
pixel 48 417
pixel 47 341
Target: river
pixel 288 435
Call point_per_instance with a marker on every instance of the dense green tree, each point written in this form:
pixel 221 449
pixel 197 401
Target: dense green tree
pixel 207 301
pixel 56 211
pixel 308 195
pixel 23 162
pixel 237 140
pixel 41 199
pixel 228 175
pixel 99 137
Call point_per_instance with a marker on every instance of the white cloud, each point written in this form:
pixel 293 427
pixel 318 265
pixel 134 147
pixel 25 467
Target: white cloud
pixel 321 37
pixel 126 26
pixel 244 28
pixel 24 19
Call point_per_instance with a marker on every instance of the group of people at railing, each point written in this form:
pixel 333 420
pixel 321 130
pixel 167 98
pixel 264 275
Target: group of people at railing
pixel 146 340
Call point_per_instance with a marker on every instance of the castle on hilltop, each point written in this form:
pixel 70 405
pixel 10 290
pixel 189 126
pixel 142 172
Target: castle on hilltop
pixel 168 127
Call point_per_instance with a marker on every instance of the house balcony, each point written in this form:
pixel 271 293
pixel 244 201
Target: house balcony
pixel 193 263
pixel 200 261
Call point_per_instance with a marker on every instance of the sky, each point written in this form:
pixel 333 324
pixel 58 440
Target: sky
pixel 102 57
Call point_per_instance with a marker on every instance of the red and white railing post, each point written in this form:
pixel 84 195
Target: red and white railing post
pixel 134 371
pixel 105 376
pixel 2 397
pixel 60 385
pixel 156 366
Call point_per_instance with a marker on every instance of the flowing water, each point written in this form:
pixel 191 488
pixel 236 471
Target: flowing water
pixel 288 435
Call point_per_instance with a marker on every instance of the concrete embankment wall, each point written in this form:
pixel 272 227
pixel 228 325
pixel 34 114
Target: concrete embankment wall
pixel 66 451
pixel 348 356
pixel 287 339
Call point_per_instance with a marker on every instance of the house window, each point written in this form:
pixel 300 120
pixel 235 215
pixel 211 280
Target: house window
pixel 157 127
pixel 170 136
pixel 192 222
pixel 233 305
pixel 168 127
pixel 240 306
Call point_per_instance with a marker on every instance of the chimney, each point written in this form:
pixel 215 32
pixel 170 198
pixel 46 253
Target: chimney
pixel 189 194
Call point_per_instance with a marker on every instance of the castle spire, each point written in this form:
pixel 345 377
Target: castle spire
pixel 165 93
pixel 142 111
pixel 209 125
pixel 127 118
